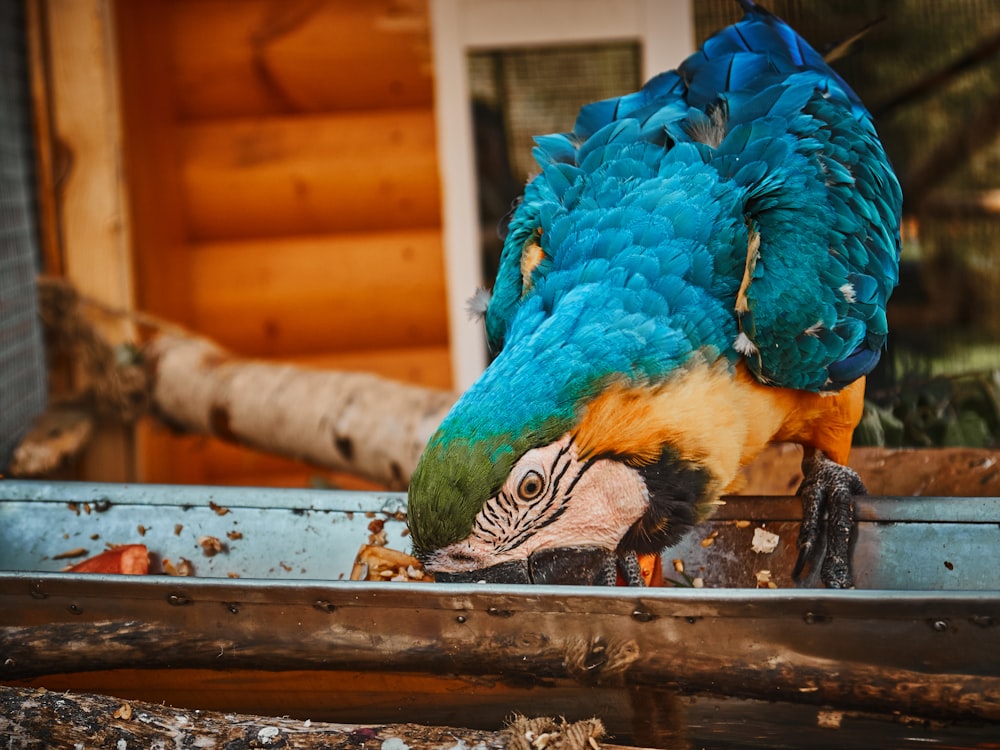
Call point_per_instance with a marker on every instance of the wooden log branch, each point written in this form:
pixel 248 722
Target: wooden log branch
pixel 56 438
pixel 37 650
pixel 358 423
pixel 32 718
pixel 354 422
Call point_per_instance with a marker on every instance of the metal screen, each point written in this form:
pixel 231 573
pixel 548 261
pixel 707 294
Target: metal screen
pixel 518 93
pixel 22 363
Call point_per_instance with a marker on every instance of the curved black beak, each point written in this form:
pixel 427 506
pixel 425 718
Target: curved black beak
pixel 582 566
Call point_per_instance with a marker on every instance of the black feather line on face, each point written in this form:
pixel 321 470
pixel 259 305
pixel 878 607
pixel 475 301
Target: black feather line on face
pixel 676 489
pixel 509 522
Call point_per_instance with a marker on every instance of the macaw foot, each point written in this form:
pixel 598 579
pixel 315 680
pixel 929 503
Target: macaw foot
pixel 827 493
pixel 622 569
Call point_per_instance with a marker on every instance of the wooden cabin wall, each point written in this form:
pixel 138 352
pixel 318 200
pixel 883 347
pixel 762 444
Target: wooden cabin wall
pixel 282 177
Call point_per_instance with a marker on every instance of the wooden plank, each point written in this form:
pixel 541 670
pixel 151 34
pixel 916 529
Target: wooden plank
pixel 45 157
pixel 310 174
pixel 152 168
pixel 82 68
pixel 299 296
pixel 427 365
pixel 91 199
pixel 232 465
pixel 151 159
pixel 257 57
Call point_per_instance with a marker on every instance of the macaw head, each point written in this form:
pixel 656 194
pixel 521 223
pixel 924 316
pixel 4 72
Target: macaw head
pixel 554 513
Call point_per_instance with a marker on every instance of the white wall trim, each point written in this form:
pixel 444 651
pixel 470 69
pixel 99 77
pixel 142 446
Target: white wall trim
pixel 665 30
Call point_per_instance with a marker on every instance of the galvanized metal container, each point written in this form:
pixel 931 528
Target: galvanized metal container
pixel 920 637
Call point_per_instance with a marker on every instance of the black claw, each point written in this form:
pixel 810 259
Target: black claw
pixel 608 575
pixel 630 569
pixel 827 494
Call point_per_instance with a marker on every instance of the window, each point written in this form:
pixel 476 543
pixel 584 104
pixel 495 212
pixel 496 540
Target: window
pixel 506 70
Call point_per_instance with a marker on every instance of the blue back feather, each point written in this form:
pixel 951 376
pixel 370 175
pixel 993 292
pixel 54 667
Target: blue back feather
pixel 644 212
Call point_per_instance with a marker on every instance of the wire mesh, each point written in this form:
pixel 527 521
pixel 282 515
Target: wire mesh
pixel 22 362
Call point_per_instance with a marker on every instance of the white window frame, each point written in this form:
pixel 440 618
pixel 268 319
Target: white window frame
pixel 665 32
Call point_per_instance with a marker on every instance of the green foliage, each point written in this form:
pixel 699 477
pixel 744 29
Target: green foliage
pixel 961 410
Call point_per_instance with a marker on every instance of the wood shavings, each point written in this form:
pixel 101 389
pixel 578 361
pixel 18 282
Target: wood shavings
pixel 123 712
pixel 542 732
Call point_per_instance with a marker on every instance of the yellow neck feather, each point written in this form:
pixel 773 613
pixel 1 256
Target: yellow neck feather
pixel 717 417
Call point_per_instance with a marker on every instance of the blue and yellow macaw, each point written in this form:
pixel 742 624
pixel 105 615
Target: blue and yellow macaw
pixel 700 268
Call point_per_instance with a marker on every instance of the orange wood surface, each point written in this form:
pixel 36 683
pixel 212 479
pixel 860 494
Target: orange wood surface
pixel 281 166
pixel 150 160
pixel 310 173
pixel 262 57
pixel 310 295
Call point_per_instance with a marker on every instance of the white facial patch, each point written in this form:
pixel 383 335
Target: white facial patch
pixel 550 499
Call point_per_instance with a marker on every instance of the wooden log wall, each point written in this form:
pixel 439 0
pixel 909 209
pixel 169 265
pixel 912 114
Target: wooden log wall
pixel 282 174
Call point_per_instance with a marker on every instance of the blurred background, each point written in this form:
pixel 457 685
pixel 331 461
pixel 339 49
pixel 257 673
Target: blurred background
pixel 279 177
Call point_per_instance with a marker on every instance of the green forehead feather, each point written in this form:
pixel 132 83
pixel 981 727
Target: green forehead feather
pixel 448 488
pixel 457 474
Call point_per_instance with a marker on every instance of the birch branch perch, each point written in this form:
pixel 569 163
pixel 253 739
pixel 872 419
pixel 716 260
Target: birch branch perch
pixel 352 422
pixel 344 421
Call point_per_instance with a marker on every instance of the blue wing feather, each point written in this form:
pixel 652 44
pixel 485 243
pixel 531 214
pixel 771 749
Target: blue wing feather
pixel 650 202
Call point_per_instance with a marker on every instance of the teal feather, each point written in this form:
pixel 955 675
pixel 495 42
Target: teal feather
pixel 644 212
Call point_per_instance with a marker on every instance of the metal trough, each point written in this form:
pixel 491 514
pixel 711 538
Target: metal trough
pixel 913 654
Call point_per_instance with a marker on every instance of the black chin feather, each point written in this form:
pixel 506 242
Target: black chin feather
pixel 675 490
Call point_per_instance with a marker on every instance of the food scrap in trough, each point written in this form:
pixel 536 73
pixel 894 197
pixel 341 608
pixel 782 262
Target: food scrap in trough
pixel 378 563
pixel 764 542
pixel 129 559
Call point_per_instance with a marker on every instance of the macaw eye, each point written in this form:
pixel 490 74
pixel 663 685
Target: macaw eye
pixel 531 485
